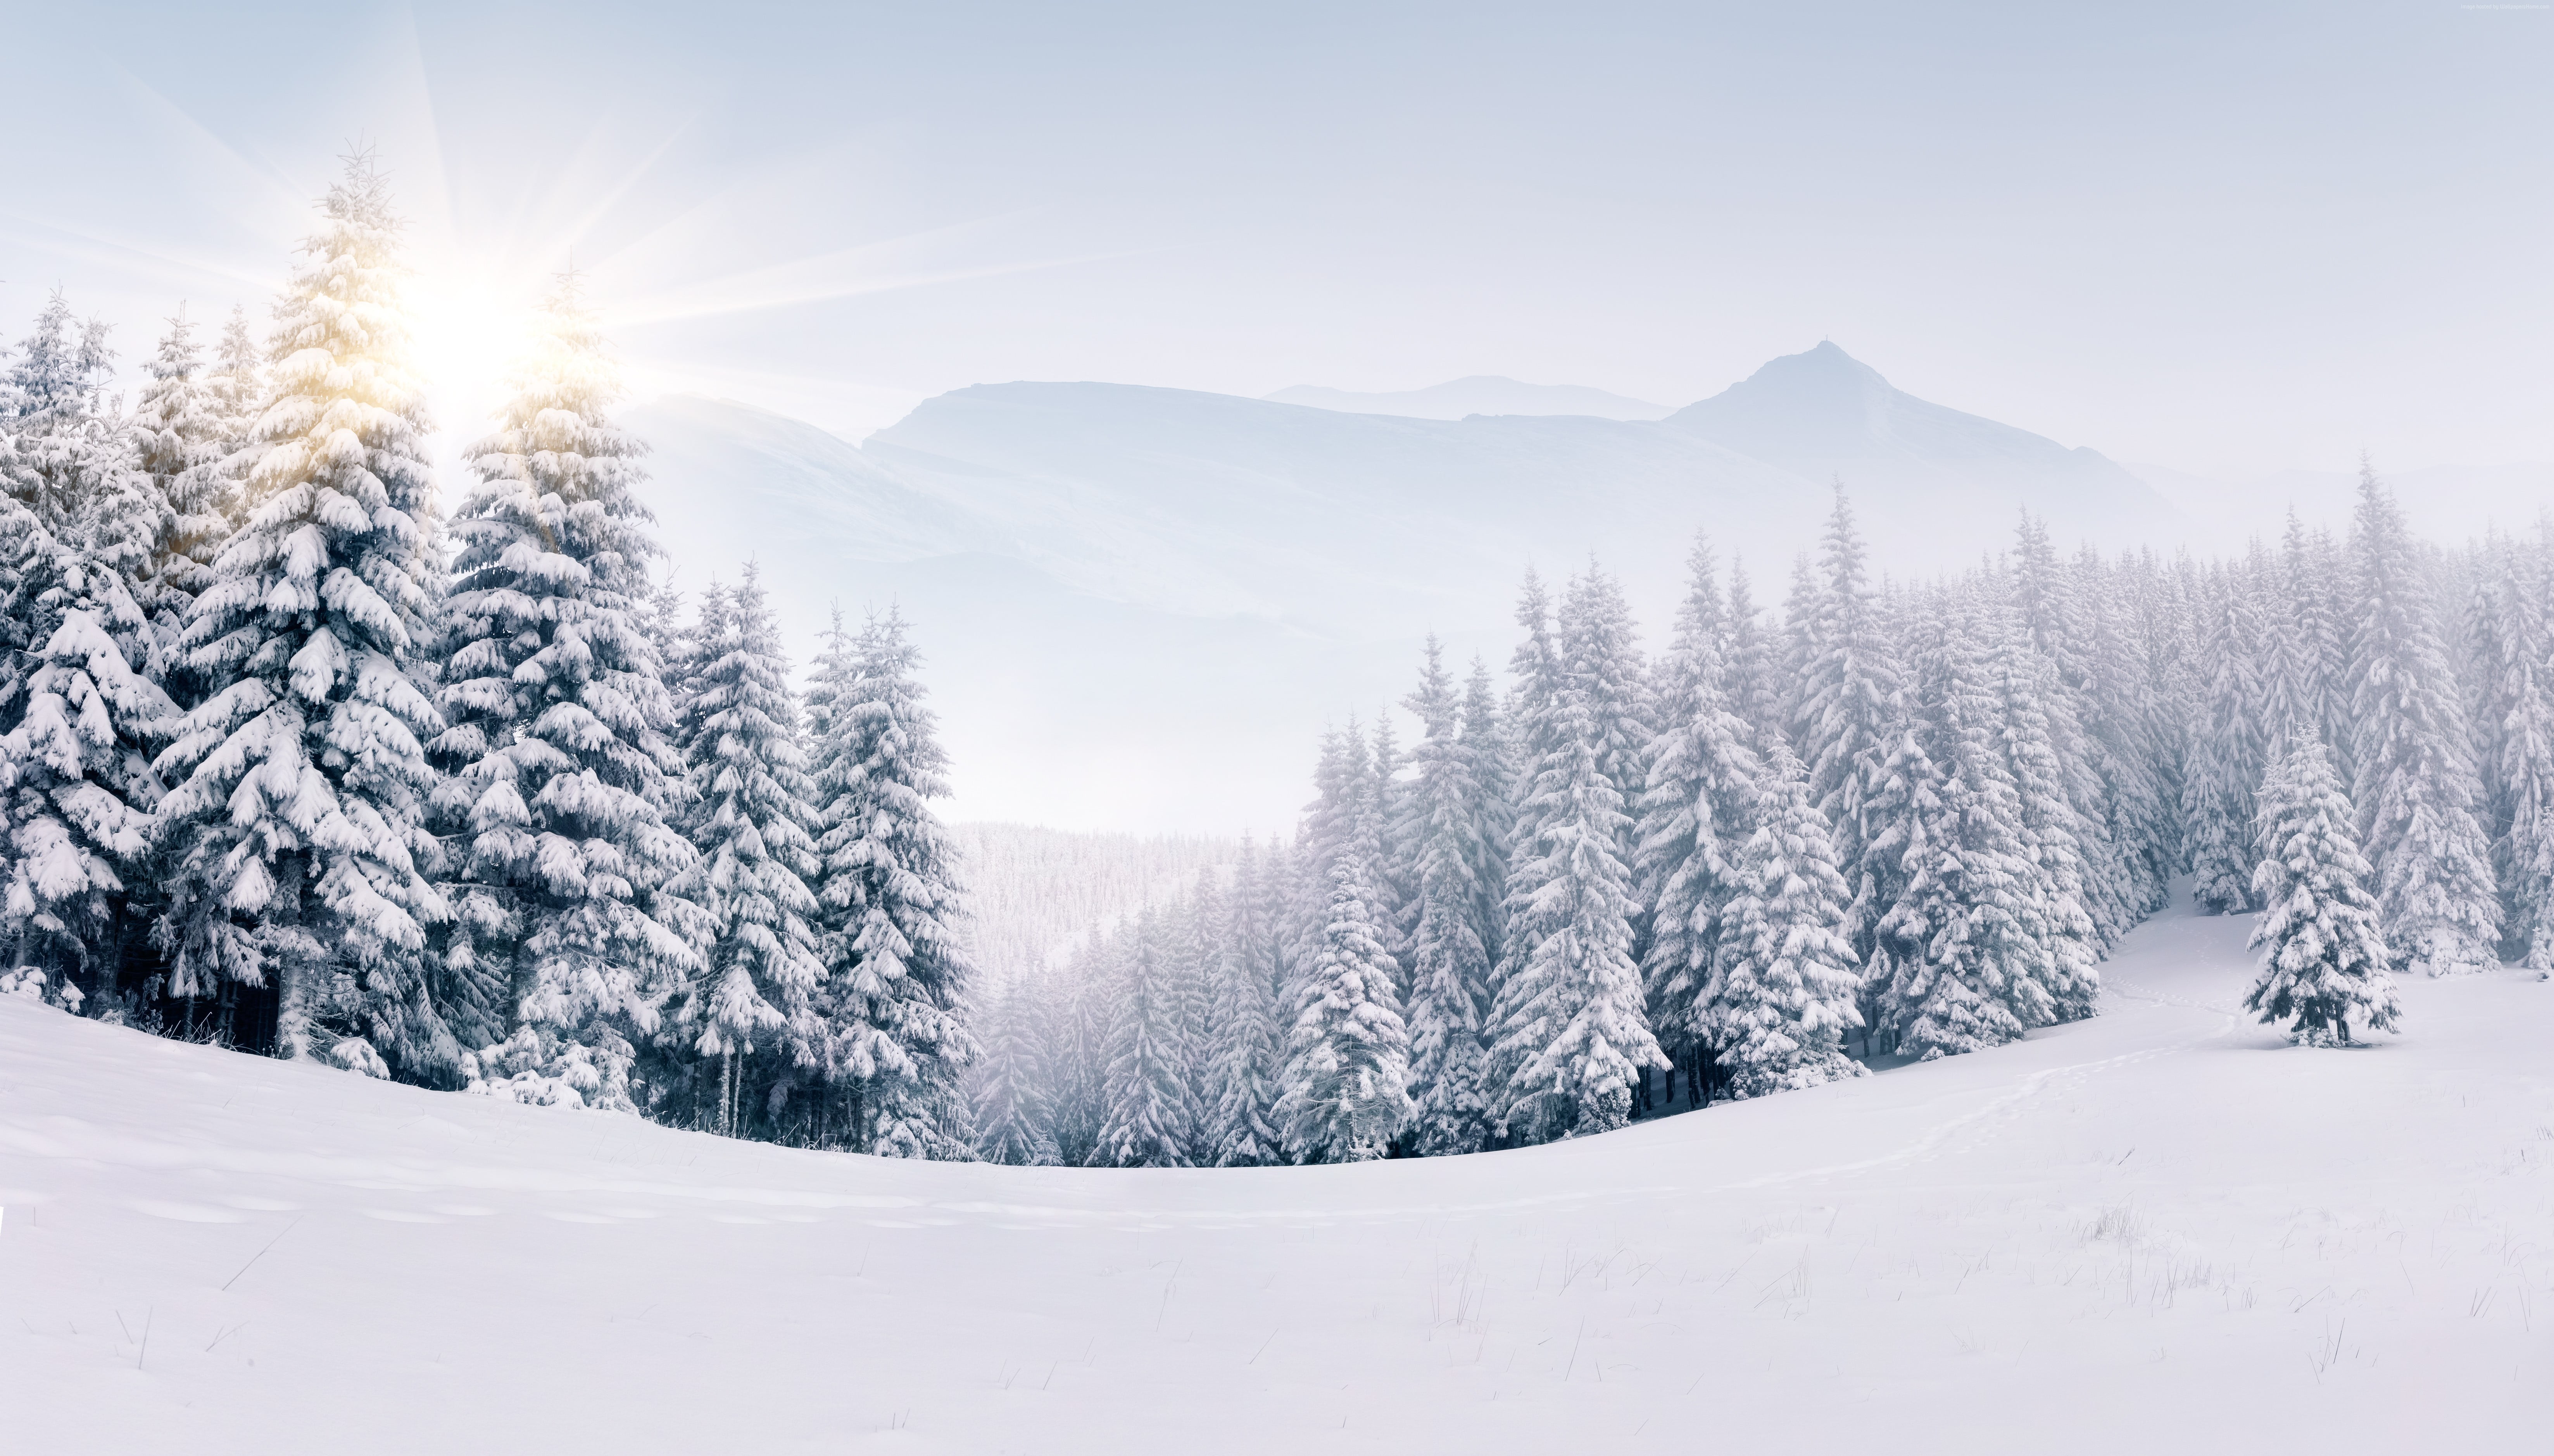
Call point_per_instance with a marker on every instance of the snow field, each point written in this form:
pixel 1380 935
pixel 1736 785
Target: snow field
pixel 2161 1227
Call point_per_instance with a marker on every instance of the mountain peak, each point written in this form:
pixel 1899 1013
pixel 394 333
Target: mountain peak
pixel 1823 411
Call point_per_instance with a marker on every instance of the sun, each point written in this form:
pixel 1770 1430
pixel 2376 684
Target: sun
pixel 470 329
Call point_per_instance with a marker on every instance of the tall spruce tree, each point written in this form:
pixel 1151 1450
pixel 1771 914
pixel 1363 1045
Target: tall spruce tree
pixel 1013 1114
pixel 2326 959
pixel 296 839
pixel 1847 711
pixel 2518 672
pixel 1245 1052
pixel 1148 1102
pixel 566 942
pixel 179 434
pixel 2226 751
pixel 897 988
pixel 2417 789
pixel 1449 968
pixel 1783 993
pixel 1695 810
pixel 1345 1094
pixel 1568 1041
pixel 739 731
pixel 1966 967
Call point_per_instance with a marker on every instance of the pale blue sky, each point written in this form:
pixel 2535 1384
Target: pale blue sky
pixel 2227 239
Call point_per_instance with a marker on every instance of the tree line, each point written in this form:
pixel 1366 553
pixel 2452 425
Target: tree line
pixel 294 761
pixel 1895 821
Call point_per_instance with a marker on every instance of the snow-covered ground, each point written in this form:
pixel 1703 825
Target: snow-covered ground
pixel 2160 1230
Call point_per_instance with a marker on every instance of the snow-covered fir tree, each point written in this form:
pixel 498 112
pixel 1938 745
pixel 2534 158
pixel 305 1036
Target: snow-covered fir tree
pixel 180 437
pixel 1601 659
pixel 1697 808
pixel 299 855
pixel 1962 948
pixel 1782 996
pixel 1016 1123
pixel 566 943
pixel 1345 1096
pixel 739 734
pixel 2326 956
pixel 1243 1061
pixel 1568 1041
pixel 1449 966
pixel 1847 711
pixel 896 997
pixel 1148 1100
pixel 76 788
pixel 2417 789
pixel 2056 900
pixel 2228 751
pixel 2516 693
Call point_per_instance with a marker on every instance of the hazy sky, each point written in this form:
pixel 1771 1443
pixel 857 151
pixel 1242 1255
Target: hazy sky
pixel 2228 239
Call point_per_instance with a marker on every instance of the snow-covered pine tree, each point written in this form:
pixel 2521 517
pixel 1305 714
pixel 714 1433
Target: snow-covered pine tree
pixel 1014 1120
pixel 2417 788
pixel 1345 1094
pixel 1492 809
pixel 1568 1036
pixel 2227 750
pixel 1697 808
pixel 566 943
pixel 1246 1048
pixel 2327 955
pixel 897 988
pixel 2124 734
pixel 1449 966
pixel 235 385
pixel 1754 668
pixel 1848 708
pixel 1966 968
pixel 76 788
pixel 1148 1104
pixel 1203 921
pixel 180 437
pixel 2046 601
pixel 1339 821
pixel 296 843
pixel 1783 990
pixel 2517 593
pixel 738 730
pixel 1601 658
pixel 2056 913
pixel 64 440
pixel 1081 1017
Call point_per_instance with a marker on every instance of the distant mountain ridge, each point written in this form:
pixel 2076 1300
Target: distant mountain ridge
pixel 1480 393
pixel 1142 604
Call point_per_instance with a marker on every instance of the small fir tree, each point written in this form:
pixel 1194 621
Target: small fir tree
pixel 2326 959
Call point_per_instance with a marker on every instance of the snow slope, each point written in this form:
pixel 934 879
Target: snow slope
pixel 2157 1230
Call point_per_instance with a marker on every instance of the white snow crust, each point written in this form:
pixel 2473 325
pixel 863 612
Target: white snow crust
pixel 2162 1229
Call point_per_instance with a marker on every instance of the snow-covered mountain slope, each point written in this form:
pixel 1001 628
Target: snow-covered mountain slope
pixel 1142 604
pixel 1480 393
pixel 2161 1229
